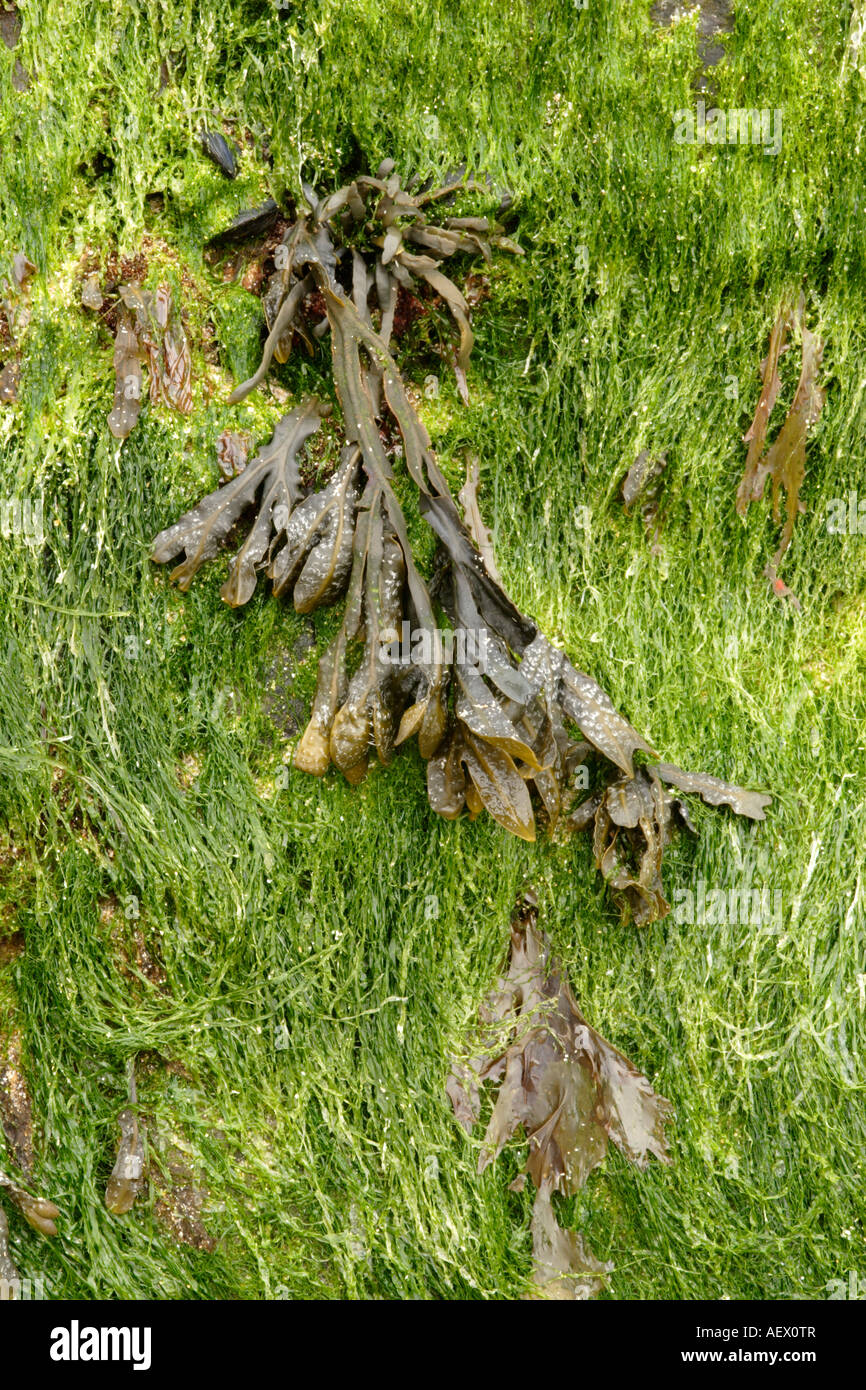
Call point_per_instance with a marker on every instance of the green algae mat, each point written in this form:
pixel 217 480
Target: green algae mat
pixel 387 323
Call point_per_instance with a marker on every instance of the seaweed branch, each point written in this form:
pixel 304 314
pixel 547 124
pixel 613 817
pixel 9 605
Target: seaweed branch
pixel 501 716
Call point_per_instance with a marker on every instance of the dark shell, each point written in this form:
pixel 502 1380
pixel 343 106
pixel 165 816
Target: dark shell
pixel 251 222
pixel 217 148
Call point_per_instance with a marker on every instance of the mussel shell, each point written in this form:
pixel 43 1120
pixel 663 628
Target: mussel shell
pixel 252 222
pixel 217 148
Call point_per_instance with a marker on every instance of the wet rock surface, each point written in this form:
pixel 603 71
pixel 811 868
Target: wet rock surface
pixel 10 25
pixel 16 1111
pixel 181 1202
pixel 716 17
pixel 10 33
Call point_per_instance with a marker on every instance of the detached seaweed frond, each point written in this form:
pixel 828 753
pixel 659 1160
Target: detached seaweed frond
pixel 16 1129
pixel 14 318
pixel 148 331
pixel 566 1088
pixel 128 1174
pixel 785 460
pixel 38 1212
pixel 643 483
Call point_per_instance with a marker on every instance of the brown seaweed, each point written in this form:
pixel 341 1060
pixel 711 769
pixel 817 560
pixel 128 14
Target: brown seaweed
pixel 500 714
pixel 15 310
pixel 784 462
pixel 481 537
pixel 393 220
pixel 716 792
pixel 91 294
pixel 128 359
pixel 38 1212
pixel 233 448
pixel 16 1123
pixel 160 333
pixel 632 827
pixel 273 474
pixel 127 1176
pixel 569 1091
pixel 16 1105
pixel 643 483
pixel 633 820
pixel 562 1267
